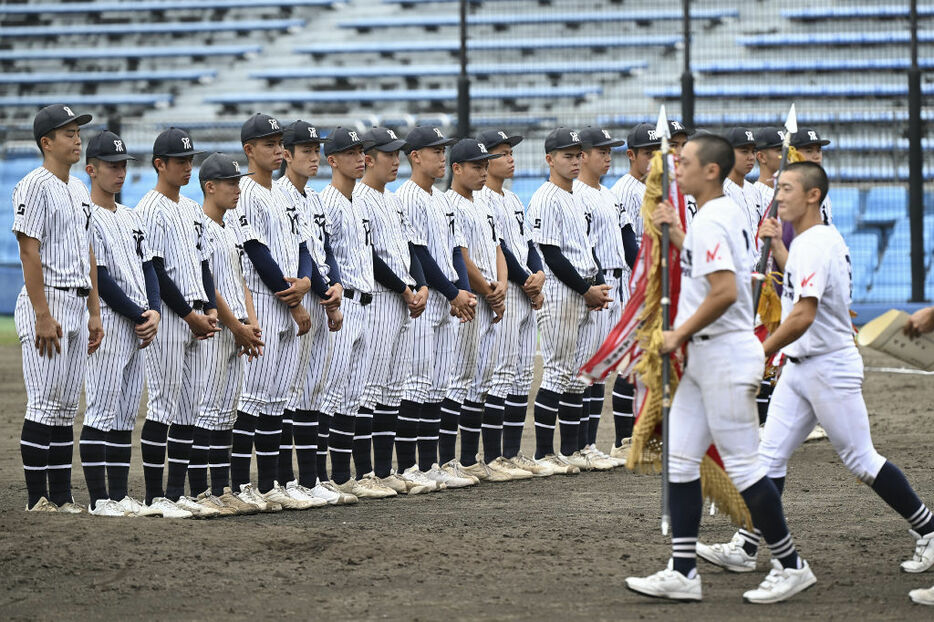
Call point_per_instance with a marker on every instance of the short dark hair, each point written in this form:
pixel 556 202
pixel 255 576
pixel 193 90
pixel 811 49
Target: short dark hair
pixel 50 134
pixel 713 149
pixel 812 176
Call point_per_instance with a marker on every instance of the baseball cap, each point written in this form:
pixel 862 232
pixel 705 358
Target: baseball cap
pixel 426 136
pixel 382 139
pixel 740 136
pixel 807 136
pixel 598 137
pixel 643 135
pixel 220 166
pixel 174 143
pixel 108 147
pixel 342 139
pixel 55 116
pixel 495 138
pixel 471 150
pixel 676 127
pixel 769 137
pixel 259 126
pixel 562 138
pixel 299 133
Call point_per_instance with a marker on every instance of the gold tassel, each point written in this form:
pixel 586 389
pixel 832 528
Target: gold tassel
pixel 770 306
pixel 719 489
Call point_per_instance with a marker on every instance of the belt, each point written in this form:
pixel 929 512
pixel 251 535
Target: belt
pixel 699 338
pixel 80 291
pixel 617 273
pixel 198 306
pixel 363 298
pixel 797 359
pixel 413 288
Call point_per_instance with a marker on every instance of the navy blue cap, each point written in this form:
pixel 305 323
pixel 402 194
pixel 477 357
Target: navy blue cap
pixel 55 116
pixel 259 126
pixel 495 138
pixel 174 143
pixel 807 136
pixel 300 133
pixel 676 127
pixel 643 135
pixel 220 166
pixel 599 137
pixel 769 137
pixel 342 139
pixel 740 136
pixel 424 136
pixel 383 139
pixel 471 150
pixel 108 147
pixel 562 138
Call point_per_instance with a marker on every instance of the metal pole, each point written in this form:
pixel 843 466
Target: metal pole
pixel 915 164
pixel 463 82
pixel 687 78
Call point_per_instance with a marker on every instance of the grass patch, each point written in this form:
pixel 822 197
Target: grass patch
pixel 8 331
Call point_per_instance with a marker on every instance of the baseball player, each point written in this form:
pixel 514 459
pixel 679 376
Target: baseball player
pixel 616 248
pixel 769 158
pixel 715 399
pixel 221 357
pixel 302 144
pixel 735 186
pixel 51 218
pixel 810 145
pixel 437 241
pixel 174 226
pixel 574 287
pixel 130 304
pixel 821 380
pixel 400 293
pixel 277 251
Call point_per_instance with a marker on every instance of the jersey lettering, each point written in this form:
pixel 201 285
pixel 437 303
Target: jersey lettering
pixel 138 237
pixel 87 215
pixel 366 228
pixel 489 219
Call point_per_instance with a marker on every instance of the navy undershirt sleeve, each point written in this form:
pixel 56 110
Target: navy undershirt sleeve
pixel 630 246
pixel 535 261
pixel 415 268
pixel 116 298
pixel 152 286
pixel 334 271
pixel 516 274
pixel 208 280
pixel 308 268
pixel 267 268
pixel 434 277
pixel 457 258
pixel 563 269
pixel 169 291
pixel 385 276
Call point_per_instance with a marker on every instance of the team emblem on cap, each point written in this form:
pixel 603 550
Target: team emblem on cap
pixel 653 135
pixel 503 135
pixel 236 166
pixel 68 110
pixel 676 125
pixel 781 134
pixel 273 124
pixel 482 148
pixel 606 134
pixel 186 142
pixel 312 132
pixel 118 145
pixel 812 135
pixel 574 137
pixel 353 136
pixel 749 135
pixel 438 132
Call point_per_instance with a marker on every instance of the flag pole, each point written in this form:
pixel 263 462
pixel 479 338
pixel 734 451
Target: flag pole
pixel 662 131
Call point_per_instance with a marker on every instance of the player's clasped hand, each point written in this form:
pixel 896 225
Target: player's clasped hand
pixel 296 291
pixel 464 305
pixel 335 294
pixel 249 342
pixel 201 325
pixel 598 297
pixel 335 319
pixel 533 285
pixel 95 333
pixel 146 331
pixel 48 334
pixel 301 317
pixel 415 301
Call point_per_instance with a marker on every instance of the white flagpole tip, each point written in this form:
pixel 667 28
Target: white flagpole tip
pixel 791 122
pixel 661 126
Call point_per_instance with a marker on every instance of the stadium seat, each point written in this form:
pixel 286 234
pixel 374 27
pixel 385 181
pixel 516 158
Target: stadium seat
pixel 111 99
pixel 815 65
pixel 67 53
pixel 835 38
pixel 164 5
pixel 757 90
pixel 368 96
pixel 855 12
pixel 885 204
pixel 93 77
pixel 150 28
pixel 777 118
pixel 888 293
pixel 453 45
pixel 845 208
pixel 864 248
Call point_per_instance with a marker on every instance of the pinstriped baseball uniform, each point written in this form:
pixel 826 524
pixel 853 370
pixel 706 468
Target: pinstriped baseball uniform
pixel 432 335
pixel 114 383
pixel 57 214
pixel 353 248
pixel 629 192
pixel 558 219
pixel 748 198
pixel 279 224
pixel 176 234
pixel 389 315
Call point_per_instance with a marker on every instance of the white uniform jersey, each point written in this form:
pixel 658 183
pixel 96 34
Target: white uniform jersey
pixel 509 213
pixel 748 198
pixel 313 221
pixel 175 232
pixel 351 240
pixel 719 239
pixel 818 266
pixel 606 220
pixel 433 224
pixel 226 264
pixel 389 230
pixel 558 219
pixel 119 244
pixel 826 211
pixel 629 191
pixel 479 226
pixel 58 214
pixel 765 195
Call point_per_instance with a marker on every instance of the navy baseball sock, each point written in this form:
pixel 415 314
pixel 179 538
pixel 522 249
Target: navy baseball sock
pixel 494 412
pixel 305 432
pixel 384 434
pixel 597 392
pixel 763 399
pixel 513 423
pixel 569 420
pixel 119 449
pixel 752 539
pixel 765 507
pixel 546 411
pixel 447 437
pixel 93 452
pixel 268 433
pixel 219 460
pixel 686 503
pixel 341 446
pixel 285 472
pixel 198 460
pixel 241 450
pixel 324 434
pixel 152 443
pixel 61 453
pixel 407 434
pixel 34 448
pixel 471 420
pixel 583 430
pixel 178 450
pixel 429 424
pixel 362 442
pixel 893 487
pixel 623 419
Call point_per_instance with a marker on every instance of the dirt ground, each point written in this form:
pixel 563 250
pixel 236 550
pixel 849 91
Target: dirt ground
pixel 552 549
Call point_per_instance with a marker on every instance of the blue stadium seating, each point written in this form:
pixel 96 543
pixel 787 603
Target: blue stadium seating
pixel 835 38
pixel 845 203
pixel 453 45
pixel 764 118
pixel 165 5
pixel 144 28
pixel 68 53
pixel 758 90
pixel 362 96
pixel 856 12
pixel 112 99
pixel 817 65
pixel 885 204
pixel 92 77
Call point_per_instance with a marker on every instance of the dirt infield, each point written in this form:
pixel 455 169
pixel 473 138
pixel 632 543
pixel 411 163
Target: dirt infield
pixel 554 549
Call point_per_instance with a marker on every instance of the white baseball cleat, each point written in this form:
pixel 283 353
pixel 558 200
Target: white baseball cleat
pixel 817 434
pixel 250 495
pixel 277 496
pixel 107 507
pixel 165 508
pixel 505 466
pixel 922 596
pixel 621 452
pixel 209 500
pixel 599 460
pixel 781 584
pixel 729 556
pixel 483 473
pixel 70 507
pixel 580 460
pixel 368 489
pixel 437 474
pixel 667 583
pixel 132 507
pixel 197 510
pixel 229 499
pixel 304 494
pixel 43 505
pixel 558 464
pixel 455 468
pixel 416 478
pixel 329 492
pixel 537 469
pixel 924 553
